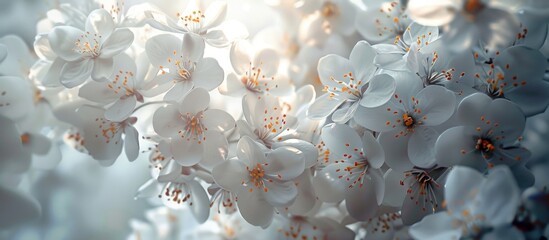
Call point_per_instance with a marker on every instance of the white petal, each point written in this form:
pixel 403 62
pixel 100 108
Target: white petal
pixel 16 208
pixel 102 68
pixel 341 140
pixel 361 201
pixel 16 97
pixel 249 152
pixel 178 91
pixel 192 47
pixel 75 73
pixel 285 163
pixel 280 194
pixel 218 120
pixel 100 21
pixel 97 92
pixel 131 143
pixel 186 152
pixel 167 121
pixel 437 103
pixel 433 13
pixel 254 209
pixel 118 42
pixel 372 150
pixel 162 47
pixel 196 101
pixel 217 149
pixel 379 91
pixel 208 74
pixel 396 151
pixel 323 107
pixel 229 175
pixel 215 14
pixel 233 86
pixel 14 158
pixel 267 60
pixel 121 109
pixel 362 57
pixel 332 68
pixel 63 41
pixel 499 197
pixel 462 186
pixel 421 149
pixel 240 55
pixel 200 206
pixel 436 226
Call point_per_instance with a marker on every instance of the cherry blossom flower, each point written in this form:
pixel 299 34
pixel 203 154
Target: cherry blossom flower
pixel 261 179
pixel 330 17
pixel 196 132
pixel 254 73
pixel 89 52
pixel 486 135
pixel 195 19
pixel 392 56
pixel 406 122
pixel 417 192
pixel 354 169
pixel 476 205
pixel 350 83
pixel 103 138
pixel 180 187
pixel 181 64
pixel 517 75
pixel 383 21
pixel 468 21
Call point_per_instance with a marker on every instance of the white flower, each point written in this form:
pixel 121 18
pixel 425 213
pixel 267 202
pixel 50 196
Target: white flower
pixel 123 90
pixel 330 17
pixel 476 205
pixel 353 172
pixel 90 52
pixel 468 21
pixel 350 83
pixel 383 21
pixel 392 56
pixel 103 138
pixel 255 73
pixel 416 192
pixel 406 122
pixel 261 179
pixel 196 132
pixel 180 187
pixel 181 64
pixel 487 134
pixel 195 20
pixel 17 207
pixel 517 74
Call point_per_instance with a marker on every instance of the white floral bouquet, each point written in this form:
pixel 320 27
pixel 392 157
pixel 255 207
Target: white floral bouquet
pixel 288 119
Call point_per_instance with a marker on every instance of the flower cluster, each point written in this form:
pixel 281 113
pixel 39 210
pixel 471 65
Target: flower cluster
pixel 344 119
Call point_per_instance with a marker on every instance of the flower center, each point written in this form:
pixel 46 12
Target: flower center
pixel 473 6
pixel 329 9
pixel 408 120
pixel 194 129
pixel 192 21
pixel 352 87
pixel 422 187
pixel 257 175
pixel 88 44
pixel 485 145
pixel 25 138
